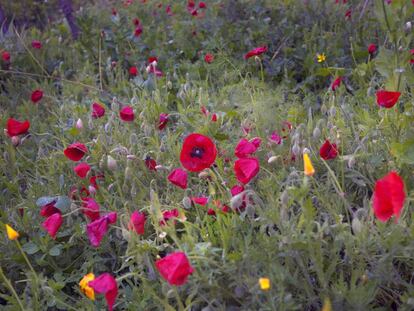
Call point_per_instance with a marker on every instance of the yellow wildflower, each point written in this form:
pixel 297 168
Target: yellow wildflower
pixel 321 57
pixel 264 283
pixel 11 233
pixel 327 306
pixel 308 167
pixel 85 288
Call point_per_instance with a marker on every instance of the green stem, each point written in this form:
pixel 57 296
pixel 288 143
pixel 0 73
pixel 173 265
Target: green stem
pixel 10 286
pixel 25 258
pixel 180 303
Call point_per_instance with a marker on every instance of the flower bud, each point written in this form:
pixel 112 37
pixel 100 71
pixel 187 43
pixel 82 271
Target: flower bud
pixel 316 133
pixel 187 202
pixel 272 159
pixel 111 163
pixel 284 198
pixel 296 149
pixel 15 140
pixel 79 124
pixel 408 26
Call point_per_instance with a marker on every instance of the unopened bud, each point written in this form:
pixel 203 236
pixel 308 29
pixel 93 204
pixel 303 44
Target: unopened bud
pixel 284 198
pixel 111 163
pixel 272 159
pixel 15 140
pixel 316 133
pixel 79 124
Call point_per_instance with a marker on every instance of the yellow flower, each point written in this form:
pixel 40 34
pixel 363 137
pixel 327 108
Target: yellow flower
pixel 308 167
pixel 327 306
pixel 85 288
pixel 11 233
pixel 264 283
pixel 321 57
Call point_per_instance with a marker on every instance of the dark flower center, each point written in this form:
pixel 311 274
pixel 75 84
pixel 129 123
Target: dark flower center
pixel 197 152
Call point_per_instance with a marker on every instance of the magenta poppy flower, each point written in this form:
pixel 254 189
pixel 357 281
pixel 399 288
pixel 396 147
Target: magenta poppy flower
pixel 136 21
pixel 90 208
pixel 214 117
pixel 36 44
pixel 246 169
pixel 200 200
pixel 49 209
pixel 137 222
pixel 97 229
pixel 16 128
pixel 133 71
pixel 235 190
pixel 336 83
pixel 153 69
pixel 256 52
pixel 179 178
pixel 168 10
pixel 75 151
pixel 202 5
pixel 209 58
pixel 106 284
pixel 36 96
pixel 348 14
pixel 275 138
pixel 98 110
pixel 389 196
pixel 169 215
pixel 162 121
pixel 198 152
pixel 150 164
pixel 52 224
pixel 387 99
pixel 127 114
pixel 372 48
pixel 5 56
pixel 82 169
pixel 328 151
pixel 245 148
pixel 174 268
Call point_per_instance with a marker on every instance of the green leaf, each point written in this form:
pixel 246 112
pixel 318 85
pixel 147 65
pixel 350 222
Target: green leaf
pixel 63 203
pixel 30 248
pixel 55 250
pixel 42 201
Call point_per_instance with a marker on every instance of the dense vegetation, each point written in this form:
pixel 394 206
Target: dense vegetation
pixel 296 195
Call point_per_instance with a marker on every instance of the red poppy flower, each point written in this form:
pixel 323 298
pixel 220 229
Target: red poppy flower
pixel 198 152
pixel 209 58
pixel 97 229
pixel 36 44
pixel 106 284
pixel 152 59
pixel 163 120
pixel 169 215
pixel 348 14
pixel 90 208
pixel 200 200
pixel 15 127
pixel 174 268
pixel 387 99
pixel 328 151
pixel 336 83
pixel 168 10
pixel 137 31
pixel 127 114
pixel 98 111
pixel 49 209
pixel 5 56
pixel 150 164
pixel 36 96
pixel 204 111
pixel 245 169
pixel 52 224
pixel 256 52
pixel 152 68
pixel 211 212
pixel 214 117
pixel 389 197
pixel 412 54
pixel 245 148
pixel 372 48
pixel 82 169
pixel 136 21
pixel 202 5
pixel 76 151
pixel 137 222
pixel 93 180
pixel 179 178
pixel 133 71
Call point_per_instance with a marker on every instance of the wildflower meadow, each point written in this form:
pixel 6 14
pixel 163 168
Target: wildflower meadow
pixel 206 155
